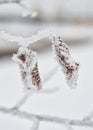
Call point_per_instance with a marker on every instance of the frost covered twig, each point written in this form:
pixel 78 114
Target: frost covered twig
pixel 68 126
pixel 47 118
pixel 35 125
pixel 21 101
pixel 26 41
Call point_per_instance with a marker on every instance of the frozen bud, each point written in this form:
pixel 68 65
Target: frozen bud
pixel 27 60
pixel 69 66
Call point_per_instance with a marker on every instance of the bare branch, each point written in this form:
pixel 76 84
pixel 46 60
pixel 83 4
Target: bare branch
pixel 68 126
pixel 35 125
pixel 47 118
pixel 21 102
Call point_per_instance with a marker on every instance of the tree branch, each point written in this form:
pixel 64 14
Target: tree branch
pixel 35 125
pixel 46 118
pixel 27 41
pixel 21 102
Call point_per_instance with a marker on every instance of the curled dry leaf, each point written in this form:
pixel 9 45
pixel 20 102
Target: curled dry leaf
pixel 69 66
pixel 27 60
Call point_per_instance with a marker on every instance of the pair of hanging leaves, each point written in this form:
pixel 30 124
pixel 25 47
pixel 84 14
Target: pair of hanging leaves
pixel 28 63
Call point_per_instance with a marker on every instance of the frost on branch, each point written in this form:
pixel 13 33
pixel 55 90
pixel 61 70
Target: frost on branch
pixel 69 66
pixel 22 41
pixel 27 60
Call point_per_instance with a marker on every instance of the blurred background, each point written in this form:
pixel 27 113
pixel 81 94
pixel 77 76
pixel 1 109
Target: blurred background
pixel 74 20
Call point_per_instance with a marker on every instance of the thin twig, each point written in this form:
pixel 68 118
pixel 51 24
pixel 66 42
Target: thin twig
pixel 21 102
pixel 47 118
pixel 26 41
pixel 35 125
pixel 68 126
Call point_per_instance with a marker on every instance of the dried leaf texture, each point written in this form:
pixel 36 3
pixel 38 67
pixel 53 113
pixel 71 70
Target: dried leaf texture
pixel 69 66
pixel 27 60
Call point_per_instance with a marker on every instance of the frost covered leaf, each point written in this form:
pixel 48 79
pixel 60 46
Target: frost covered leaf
pixel 27 60
pixel 69 66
